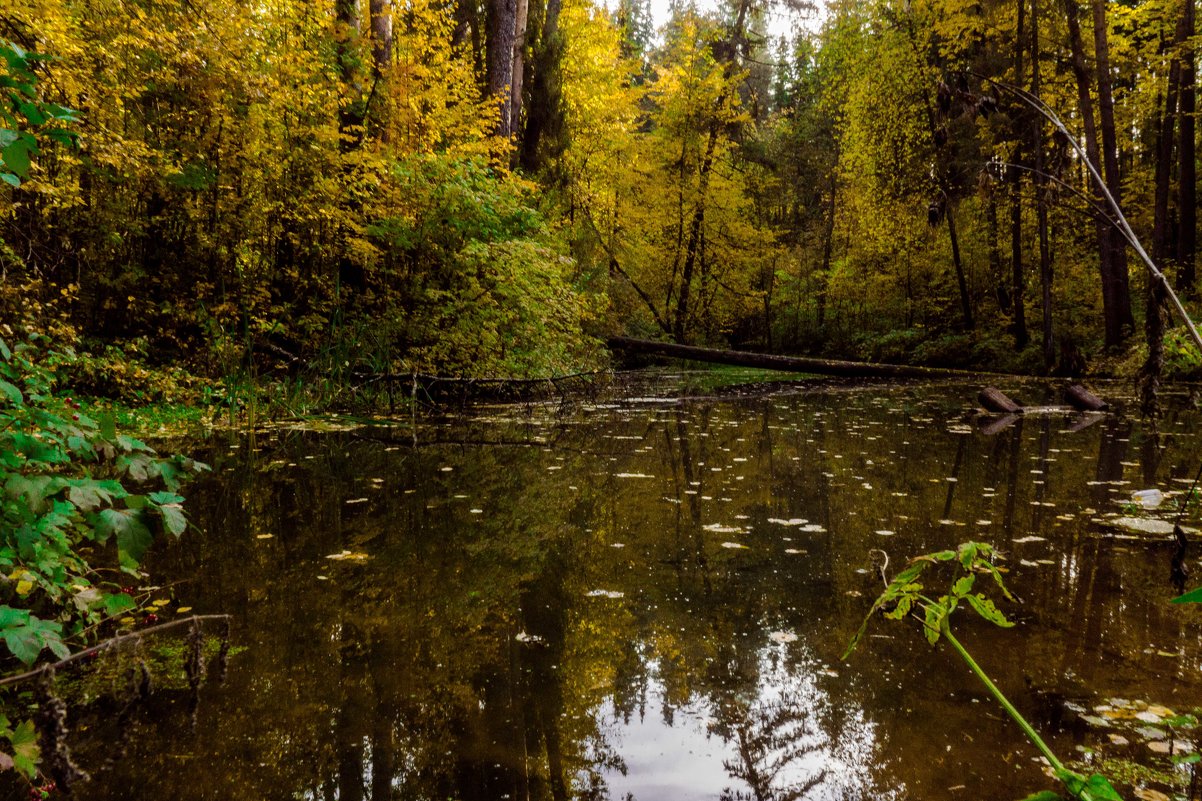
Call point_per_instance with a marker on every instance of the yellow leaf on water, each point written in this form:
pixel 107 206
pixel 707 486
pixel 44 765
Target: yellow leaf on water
pixel 184 609
pixel 24 587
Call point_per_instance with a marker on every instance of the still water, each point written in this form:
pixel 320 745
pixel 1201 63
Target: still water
pixel 647 598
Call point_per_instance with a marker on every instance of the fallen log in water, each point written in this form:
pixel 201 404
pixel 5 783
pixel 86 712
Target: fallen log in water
pixel 1081 398
pixel 994 400
pixel 792 364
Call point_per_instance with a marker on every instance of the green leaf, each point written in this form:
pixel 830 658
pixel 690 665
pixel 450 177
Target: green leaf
pixel 12 393
pixel 11 618
pixel 963 586
pixel 24 741
pixel 1045 795
pixel 10 179
pixel 16 155
pixel 173 518
pixel 1099 789
pixel 987 610
pixel 116 604
pixel 25 643
pixel 1194 596
pixel 935 614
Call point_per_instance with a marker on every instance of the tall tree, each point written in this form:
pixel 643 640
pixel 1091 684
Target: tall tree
pixel 1110 159
pixel 1187 178
pixel 502 17
pixel 1112 295
pixel 1047 342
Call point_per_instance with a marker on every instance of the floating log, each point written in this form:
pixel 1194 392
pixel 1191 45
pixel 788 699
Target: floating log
pixel 791 364
pixel 1082 399
pixel 994 400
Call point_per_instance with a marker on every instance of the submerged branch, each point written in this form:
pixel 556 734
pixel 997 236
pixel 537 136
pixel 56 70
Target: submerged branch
pixel 107 645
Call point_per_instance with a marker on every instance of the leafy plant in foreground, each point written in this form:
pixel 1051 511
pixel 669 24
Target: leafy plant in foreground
pixel 906 596
pixel 69 486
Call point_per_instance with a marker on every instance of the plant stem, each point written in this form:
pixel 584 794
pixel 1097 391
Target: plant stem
pixel 1028 730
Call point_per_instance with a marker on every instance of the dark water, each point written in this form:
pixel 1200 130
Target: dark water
pixel 648 599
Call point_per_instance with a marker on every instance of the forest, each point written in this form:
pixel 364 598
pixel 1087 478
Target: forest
pixel 202 194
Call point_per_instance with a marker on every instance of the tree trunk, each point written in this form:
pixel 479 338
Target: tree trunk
pixel 346 37
pixel 381 36
pixel 1018 277
pixel 518 70
pixel 1111 315
pixel 961 281
pixel 1187 177
pixel 827 247
pixel 544 115
pixel 1162 242
pixel 995 253
pixel 790 364
pixel 1110 161
pixel 1041 205
pixel 502 30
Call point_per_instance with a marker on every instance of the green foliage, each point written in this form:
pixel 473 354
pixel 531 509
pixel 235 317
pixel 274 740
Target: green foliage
pixel 24 116
pixel 69 483
pixel 905 594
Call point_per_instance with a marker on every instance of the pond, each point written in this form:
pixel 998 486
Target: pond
pixel 647 596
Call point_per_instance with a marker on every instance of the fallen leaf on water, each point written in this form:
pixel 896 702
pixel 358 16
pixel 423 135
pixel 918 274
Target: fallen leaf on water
pixel 782 636
pixel 348 556
pixel 733 545
pixel 604 594
pixel 357 500
pixel 264 536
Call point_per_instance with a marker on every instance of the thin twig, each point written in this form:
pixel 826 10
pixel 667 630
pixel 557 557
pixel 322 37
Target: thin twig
pixel 107 645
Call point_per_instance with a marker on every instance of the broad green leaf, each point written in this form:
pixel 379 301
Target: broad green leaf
pixel 116 604
pixel 11 392
pixel 1194 596
pixel 132 542
pixel 10 618
pixel 10 179
pixel 25 642
pixel 24 741
pixel 173 518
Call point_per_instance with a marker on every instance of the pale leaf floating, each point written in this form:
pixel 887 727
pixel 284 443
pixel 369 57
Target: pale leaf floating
pixel 792 521
pixel 605 594
pixel 782 636
pixel 1028 538
pixel 794 551
pixel 632 475
pixel 884 532
pixel 348 556
pixel 522 636
pixel 720 528
pixel 734 545
pixel 357 500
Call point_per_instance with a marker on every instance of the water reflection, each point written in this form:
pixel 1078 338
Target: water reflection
pixel 647 600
